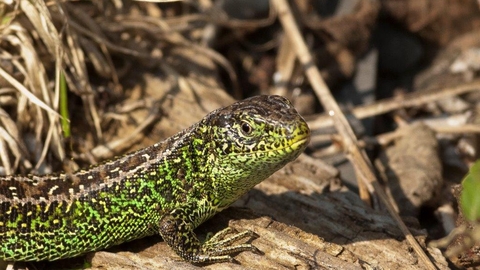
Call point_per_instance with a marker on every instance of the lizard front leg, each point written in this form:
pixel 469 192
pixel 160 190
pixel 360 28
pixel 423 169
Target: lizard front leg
pixel 177 231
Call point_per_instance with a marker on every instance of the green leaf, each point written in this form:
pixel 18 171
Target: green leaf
pixel 470 197
pixel 65 120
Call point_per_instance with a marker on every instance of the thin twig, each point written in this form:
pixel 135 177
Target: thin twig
pixel 323 93
pixel 409 100
pixel 363 167
pixel 385 138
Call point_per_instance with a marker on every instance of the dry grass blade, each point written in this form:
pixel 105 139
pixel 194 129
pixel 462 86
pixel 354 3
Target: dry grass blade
pixel 20 87
pixel 37 12
pixel 4 157
pixel 159 1
pixel 75 59
pixel 150 25
pixel 5 137
pixel 362 166
pixel 16 145
pixel 36 103
pixel 111 46
pixel 97 52
pixel 219 17
pixel 285 63
pixel 79 79
pixel 38 80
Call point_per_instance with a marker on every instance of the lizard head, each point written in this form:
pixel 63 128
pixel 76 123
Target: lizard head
pixel 250 140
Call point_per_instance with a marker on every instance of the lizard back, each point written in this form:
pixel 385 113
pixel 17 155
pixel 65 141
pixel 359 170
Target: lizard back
pixel 58 216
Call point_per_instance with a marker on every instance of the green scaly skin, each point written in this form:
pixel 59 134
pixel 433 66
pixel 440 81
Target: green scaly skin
pixel 168 188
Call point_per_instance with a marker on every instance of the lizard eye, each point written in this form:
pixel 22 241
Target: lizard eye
pixel 246 128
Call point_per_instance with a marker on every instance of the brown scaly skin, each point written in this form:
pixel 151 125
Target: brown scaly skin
pixel 169 188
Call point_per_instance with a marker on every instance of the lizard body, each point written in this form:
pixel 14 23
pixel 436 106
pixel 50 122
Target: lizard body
pixel 168 188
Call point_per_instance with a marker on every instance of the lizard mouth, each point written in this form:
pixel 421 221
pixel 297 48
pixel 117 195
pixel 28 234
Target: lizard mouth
pixel 300 142
pixel 296 144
